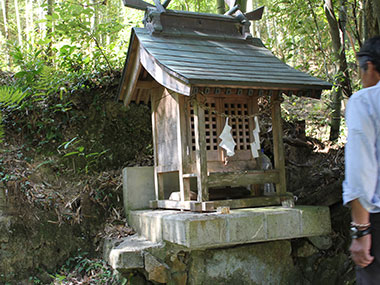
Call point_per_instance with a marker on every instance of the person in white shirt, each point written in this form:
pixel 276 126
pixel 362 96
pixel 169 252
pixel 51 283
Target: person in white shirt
pixel 361 187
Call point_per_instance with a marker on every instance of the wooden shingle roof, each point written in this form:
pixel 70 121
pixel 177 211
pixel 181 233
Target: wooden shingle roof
pixel 180 61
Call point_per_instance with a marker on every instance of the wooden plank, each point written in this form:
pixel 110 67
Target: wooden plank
pixel 200 152
pixel 278 144
pixel 178 205
pixel 184 184
pixel 248 202
pixel 186 189
pixel 167 132
pixel 132 75
pixel 232 166
pixel 211 206
pixel 183 129
pixel 158 179
pixel 189 175
pixel 236 179
pixel 162 75
pixel 147 84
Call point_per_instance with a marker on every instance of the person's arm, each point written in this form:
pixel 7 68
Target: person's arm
pixel 361 169
pixel 360 247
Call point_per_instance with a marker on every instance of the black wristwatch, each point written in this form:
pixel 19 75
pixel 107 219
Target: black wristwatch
pixel 355 233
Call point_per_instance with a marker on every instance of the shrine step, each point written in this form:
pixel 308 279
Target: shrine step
pixel 127 253
pixel 240 226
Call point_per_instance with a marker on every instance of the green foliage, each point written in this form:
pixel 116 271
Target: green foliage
pixel 10 97
pixel 78 153
pixel 82 267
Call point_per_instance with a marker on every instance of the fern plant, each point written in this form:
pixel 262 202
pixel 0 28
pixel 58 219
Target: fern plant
pixel 9 97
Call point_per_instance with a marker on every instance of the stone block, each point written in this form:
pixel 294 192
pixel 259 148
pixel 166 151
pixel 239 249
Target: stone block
pixel 245 226
pixel 178 278
pixel 138 188
pixel 157 271
pixel 209 230
pixel 321 242
pixel 150 223
pixel 128 253
pixel 315 220
pixel 261 263
pixel 282 223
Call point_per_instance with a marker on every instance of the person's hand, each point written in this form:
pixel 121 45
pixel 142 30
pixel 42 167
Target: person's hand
pixel 360 251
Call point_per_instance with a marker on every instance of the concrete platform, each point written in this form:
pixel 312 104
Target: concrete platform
pixel 241 226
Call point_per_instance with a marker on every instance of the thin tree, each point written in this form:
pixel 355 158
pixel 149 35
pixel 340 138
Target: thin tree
pixel 342 82
pixel 4 5
pixel 220 6
pixel 18 24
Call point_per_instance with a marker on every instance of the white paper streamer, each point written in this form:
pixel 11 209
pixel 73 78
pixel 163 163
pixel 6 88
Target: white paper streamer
pixel 227 142
pixel 255 146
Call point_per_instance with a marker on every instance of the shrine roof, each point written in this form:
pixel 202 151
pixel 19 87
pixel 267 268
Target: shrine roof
pixel 179 59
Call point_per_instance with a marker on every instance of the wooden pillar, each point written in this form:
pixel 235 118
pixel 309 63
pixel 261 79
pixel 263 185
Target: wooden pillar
pixel 278 144
pixel 253 108
pixel 184 183
pixel 158 178
pixel 200 151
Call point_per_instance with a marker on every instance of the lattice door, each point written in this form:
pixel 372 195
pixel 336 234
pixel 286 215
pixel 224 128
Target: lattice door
pixel 214 124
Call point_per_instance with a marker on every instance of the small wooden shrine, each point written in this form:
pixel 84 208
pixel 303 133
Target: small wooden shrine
pixel 197 70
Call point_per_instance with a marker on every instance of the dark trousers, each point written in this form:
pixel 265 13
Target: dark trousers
pixel 371 274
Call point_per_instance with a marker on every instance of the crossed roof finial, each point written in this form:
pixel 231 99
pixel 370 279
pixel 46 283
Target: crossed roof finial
pixel 234 8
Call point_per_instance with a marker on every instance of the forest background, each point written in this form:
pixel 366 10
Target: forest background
pixel 76 40
pixel 53 51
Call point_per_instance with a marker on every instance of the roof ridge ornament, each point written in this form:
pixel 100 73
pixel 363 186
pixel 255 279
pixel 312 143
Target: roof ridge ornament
pixel 142 5
pixel 235 9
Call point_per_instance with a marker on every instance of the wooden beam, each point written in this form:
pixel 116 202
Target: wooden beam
pixel 278 144
pixel 236 179
pixel 211 206
pixel 248 202
pixel 147 84
pixel 184 185
pixel 178 205
pixel 134 67
pixel 161 75
pixel 200 151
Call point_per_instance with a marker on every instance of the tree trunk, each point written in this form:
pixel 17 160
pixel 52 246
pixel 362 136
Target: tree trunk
pixel 29 21
pixel 376 13
pixel 49 29
pixel 18 24
pixel 94 21
pixel 6 31
pixel 220 7
pixel 243 5
pixel 4 7
pixel 342 82
pixel 371 26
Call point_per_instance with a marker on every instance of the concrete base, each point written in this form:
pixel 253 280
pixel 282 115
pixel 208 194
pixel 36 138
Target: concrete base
pixel 261 263
pixel 245 246
pixel 241 226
